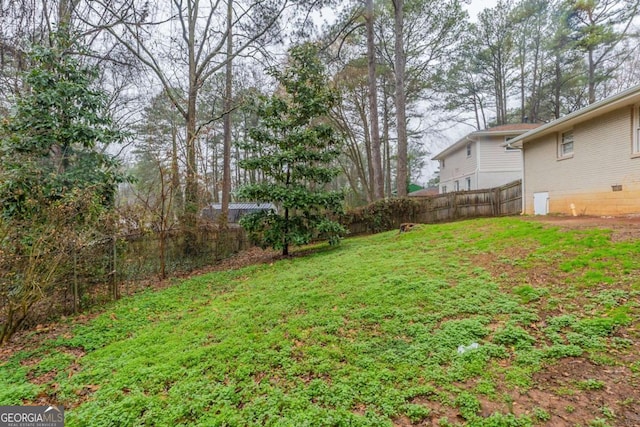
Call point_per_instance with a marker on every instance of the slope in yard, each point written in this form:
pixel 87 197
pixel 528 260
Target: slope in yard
pixel 501 322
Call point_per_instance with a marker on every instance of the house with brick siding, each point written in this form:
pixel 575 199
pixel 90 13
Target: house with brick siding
pixel 587 162
pixel 481 159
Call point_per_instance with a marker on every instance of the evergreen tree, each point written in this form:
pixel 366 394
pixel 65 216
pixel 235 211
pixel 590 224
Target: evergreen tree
pixel 52 145
pixel 597 28
pixel 294 147
pixel 56 180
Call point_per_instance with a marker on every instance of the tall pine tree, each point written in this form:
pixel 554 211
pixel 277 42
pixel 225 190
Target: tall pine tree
pixel 294 147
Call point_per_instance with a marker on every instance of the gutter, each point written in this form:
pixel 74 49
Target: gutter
pixel 627 97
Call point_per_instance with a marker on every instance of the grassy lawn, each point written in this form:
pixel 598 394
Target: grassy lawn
pixel 367 333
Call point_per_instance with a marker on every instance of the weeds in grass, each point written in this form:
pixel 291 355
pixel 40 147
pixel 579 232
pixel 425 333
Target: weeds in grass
pixel 607 412
pixel 540 414
pixel 344 336
pixel 598 422
pixel 528 293
pixel 590 384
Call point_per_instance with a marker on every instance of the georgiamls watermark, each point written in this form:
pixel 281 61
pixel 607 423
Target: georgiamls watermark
pixel 31 416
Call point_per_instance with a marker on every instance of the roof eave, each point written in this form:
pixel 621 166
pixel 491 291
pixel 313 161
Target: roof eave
pixel 628 97
pixel 472 137
pixel 453 147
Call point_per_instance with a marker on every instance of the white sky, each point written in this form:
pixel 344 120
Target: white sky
pixel 477 6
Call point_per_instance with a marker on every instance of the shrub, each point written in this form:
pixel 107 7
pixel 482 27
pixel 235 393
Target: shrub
pixel 383 215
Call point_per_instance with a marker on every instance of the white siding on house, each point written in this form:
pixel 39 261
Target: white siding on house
pixel 458 166
pixel 497 179
pixel 494 157
pixel 636 131
pixel 489 163
pixel 498 166
pixel 602 158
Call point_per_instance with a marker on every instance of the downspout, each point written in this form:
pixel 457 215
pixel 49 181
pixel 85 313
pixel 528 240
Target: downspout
pixel 524 193
pixel 523 198
pixel 478 165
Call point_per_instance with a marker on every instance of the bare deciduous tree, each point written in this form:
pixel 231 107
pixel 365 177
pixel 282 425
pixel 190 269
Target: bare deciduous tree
pixel 184 46
pixel 376 161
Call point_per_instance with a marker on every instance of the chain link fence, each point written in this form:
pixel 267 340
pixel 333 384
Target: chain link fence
pixel 107 267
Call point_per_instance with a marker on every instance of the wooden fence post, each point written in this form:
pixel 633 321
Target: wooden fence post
pixel 76 297
pixel 114 272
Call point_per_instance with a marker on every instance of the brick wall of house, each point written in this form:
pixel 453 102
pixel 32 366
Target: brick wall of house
pixel 602 158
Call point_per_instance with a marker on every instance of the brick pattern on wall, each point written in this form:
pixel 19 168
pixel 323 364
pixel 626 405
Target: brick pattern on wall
pixel 601 159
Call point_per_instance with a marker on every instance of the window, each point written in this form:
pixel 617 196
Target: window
pixel 441 163
pixel 456 186
pixel 468 149
pixel 566 144
pixel 508 147
pixel 468 184
pixel 444 189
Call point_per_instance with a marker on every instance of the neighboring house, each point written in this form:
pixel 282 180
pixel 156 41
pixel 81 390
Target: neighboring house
pixel 236 210
pixel 481 159
pixel 424 192
pixel 587 162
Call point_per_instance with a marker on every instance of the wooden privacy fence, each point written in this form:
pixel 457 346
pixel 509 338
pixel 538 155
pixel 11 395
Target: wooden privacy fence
pixel 387 215
pixel 500 201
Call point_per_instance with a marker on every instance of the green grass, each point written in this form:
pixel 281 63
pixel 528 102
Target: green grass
pixel 362 334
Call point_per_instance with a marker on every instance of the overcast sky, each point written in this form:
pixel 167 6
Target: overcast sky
pixel 477 6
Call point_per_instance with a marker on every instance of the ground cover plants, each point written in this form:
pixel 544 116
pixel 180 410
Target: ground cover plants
pixel 381 330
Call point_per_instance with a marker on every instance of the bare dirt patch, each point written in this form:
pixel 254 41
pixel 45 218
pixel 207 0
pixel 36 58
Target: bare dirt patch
pixel 575 390
pixel 623 227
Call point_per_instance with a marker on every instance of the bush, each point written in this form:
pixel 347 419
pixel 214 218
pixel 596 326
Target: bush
pixel 34 256
pixel 382 215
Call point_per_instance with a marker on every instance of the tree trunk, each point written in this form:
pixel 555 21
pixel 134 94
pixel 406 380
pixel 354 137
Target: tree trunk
pixel 65 14
pixel 376 161
pixel 592 78
pixel 191 184
pixel 215 172
pixel 475 110
pixel 176 193
pixel 557 88
pixel 226 156
pixel 402 174
pixel 285 234
pixel 191 187
pixel 535 96
pixel 387 143
pixel 523 102
pixel 368 181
